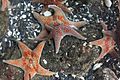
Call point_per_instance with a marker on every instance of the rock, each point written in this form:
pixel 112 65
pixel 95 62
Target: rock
pixel 3 23
pixel 105 74
pixel 108 3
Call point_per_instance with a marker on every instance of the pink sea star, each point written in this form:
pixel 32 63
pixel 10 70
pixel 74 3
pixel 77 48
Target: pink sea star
pixel 58 26
pixel 107 43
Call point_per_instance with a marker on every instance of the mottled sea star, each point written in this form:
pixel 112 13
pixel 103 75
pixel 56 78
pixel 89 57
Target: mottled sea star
pixel 29 61
pixel 57 26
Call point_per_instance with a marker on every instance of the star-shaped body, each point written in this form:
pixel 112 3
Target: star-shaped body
pixel 107 43
pixel 57 26
pixel 58 3
pixel 29 61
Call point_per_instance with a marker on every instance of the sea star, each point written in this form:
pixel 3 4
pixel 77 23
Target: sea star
pixel 29 61
pixel 107 43
pixel 58 26
pixel 58 3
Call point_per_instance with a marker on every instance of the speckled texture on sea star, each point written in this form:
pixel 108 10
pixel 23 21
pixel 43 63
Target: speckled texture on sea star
pixel 29 61
pixel 58 26
pixel 53 2
pixel 107 43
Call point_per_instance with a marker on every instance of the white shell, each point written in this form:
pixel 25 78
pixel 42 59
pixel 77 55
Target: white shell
pixel 97 65
pixel 108 3
pixel 47 13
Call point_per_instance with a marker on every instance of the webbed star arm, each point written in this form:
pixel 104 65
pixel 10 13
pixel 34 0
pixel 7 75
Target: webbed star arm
pixel 59 12
pixel 78 24
pixel 42 19
pixel 107 43
pixel 106 31
pixel 26 76
pixel 60 31
pixel 63 7
pixel 29 73
pixel 57 39
pixel 44 72
pixel 38 50
pixel 24 49
pixel 53 2
pixel 97 42
pixel 71 31
pixel 17 63
pixel 104 52
pixel 43 35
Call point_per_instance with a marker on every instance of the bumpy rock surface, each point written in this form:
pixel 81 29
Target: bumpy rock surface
pixel 3 21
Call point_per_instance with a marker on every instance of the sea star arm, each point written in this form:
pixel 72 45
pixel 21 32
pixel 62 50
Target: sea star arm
pixel 17 63
pixel 42 19
pixel 57 36
pixel 24 49
pixel 4 4
pixel 63 7
pixel 26 76
pixel 53 2
pixel 71 31
pixel 97 42
pixel 36 55
pixel 107 32
pixel 105 29
pixel 29 74
pixel 78 24
pixel 38 50
pixel 60 31
pixel 43 35
pixel 104 52
pixel 107 44
pixel 44 72
pixel 64 19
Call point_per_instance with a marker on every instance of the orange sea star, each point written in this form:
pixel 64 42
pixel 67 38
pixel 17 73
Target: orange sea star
pixel 29 61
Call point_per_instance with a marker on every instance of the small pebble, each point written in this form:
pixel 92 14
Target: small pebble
pixel 97 65
pixel 47 13
pixel 108 3
pixel 45 62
